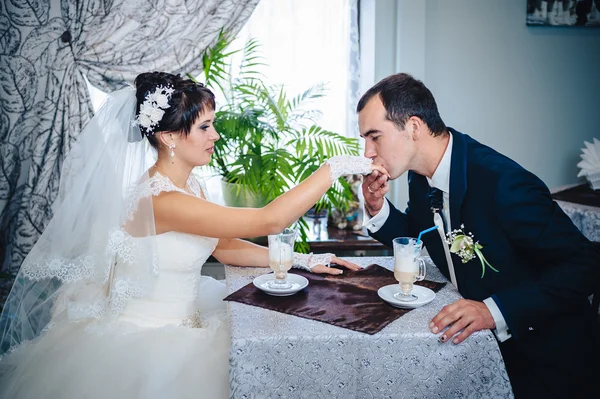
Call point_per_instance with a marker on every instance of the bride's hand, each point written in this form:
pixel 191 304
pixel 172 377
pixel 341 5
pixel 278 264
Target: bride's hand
pixel 322 269
pixel 319 263
pixel 380 169
pixel 343 165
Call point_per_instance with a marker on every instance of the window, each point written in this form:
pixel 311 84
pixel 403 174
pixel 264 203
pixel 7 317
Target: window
pixel 307 42
pixel 304 43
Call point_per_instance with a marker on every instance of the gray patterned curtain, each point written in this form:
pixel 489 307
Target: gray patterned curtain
pixel 46 49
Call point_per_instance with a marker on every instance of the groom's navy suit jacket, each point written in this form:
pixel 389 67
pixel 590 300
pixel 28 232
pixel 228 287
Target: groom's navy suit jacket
pixel 546 267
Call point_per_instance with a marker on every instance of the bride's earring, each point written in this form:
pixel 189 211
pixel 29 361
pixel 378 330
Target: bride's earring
pixel 172 147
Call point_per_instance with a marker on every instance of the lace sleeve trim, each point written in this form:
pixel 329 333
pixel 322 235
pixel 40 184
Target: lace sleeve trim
pixel 150 188
pixel 196 187
pixel 341 165
pixel 308 261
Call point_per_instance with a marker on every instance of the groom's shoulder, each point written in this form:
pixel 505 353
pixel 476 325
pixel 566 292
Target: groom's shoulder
pixel 487 163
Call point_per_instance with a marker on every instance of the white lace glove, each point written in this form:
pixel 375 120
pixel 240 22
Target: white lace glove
pixel 308 261
pixel 342 165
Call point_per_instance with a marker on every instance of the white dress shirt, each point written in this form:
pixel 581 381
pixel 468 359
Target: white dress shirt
pixel 441 181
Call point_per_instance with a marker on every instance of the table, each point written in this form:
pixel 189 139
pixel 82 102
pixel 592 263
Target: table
pixel 582 205
pixel 275 355
pixel 342 242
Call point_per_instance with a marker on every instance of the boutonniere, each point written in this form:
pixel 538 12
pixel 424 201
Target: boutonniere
pixel 464 245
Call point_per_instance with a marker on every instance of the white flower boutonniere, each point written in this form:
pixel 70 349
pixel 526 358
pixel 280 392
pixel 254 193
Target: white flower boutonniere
pixel 464 245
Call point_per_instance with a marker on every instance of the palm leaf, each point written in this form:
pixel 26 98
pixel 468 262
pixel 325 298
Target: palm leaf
pixel 269 141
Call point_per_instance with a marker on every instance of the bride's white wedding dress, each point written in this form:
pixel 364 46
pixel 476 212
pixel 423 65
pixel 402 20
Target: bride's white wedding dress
pixel 171 342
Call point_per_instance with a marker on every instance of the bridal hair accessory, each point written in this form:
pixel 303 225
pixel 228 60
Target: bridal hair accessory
pixel 152 109
pixel 590 163
pixel 464 245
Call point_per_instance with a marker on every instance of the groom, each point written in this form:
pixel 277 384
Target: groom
pixel 537 301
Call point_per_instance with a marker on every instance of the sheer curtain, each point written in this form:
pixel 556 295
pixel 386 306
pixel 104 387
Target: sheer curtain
pixel 307 42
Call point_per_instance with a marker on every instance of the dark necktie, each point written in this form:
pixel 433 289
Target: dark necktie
pixel 436 200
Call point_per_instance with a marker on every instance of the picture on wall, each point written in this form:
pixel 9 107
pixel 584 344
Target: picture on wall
pixel 563 13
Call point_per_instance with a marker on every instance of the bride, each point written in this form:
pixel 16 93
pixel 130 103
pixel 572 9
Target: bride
pixel 110 302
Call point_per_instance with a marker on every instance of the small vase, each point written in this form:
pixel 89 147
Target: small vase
pixel 236 195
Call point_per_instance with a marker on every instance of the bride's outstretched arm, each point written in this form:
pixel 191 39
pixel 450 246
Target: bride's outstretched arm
pixel 238 252
pixel 176 211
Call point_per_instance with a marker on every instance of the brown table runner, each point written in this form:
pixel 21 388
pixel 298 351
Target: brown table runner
pixel 349 301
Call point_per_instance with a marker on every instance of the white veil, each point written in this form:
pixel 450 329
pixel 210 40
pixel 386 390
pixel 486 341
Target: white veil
pixel 99 218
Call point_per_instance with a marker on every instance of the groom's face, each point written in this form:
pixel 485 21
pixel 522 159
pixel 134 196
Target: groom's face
pixel 384 142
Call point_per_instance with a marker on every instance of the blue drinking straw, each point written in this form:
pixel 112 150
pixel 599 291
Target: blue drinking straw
pixel 425 231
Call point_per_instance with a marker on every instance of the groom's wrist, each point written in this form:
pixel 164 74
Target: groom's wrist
pixel 375 222
pixel 501 328
pixel 372 211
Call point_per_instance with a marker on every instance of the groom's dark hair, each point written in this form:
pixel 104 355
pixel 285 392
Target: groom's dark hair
pixel 188 100
pixel 404 96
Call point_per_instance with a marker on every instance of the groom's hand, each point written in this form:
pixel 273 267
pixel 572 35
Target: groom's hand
pixel 374 188
pixel 464 316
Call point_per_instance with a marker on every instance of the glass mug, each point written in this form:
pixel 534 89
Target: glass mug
pixel 408 266
pixel 281 255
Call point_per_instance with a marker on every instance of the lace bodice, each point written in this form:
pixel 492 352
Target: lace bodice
pixel 170 295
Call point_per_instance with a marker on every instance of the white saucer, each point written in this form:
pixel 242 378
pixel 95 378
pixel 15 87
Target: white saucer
pixel 298 284
pixel 424 296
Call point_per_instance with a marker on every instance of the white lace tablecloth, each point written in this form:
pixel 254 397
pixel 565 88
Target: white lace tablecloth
pixel 275 355
pixel 586 218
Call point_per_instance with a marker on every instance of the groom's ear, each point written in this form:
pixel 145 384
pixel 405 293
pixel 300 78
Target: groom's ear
pixel 415 127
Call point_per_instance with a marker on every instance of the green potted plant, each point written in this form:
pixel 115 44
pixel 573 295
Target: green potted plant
pixel 269 142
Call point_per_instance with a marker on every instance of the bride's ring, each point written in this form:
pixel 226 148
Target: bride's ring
pixel 371 191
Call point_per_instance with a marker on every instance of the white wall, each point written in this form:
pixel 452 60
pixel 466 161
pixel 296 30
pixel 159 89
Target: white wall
pixel 532 93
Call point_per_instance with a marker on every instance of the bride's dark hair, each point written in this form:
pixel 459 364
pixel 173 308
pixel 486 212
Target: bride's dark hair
pixel 188 100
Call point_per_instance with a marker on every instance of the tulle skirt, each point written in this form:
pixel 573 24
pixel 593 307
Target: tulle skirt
pixel 72 360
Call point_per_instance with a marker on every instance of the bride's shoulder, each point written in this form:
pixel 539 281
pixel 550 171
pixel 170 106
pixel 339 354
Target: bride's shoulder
pixel 153 186
pixel 197 186
pixel 159 187
pixel 150 187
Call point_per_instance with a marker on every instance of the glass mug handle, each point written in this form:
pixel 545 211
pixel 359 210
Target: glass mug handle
pixel 420 275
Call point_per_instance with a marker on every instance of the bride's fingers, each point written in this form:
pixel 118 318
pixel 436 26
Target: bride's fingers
pixel 380 169
pixel 380 183
pixel 322 269
pixel 345 263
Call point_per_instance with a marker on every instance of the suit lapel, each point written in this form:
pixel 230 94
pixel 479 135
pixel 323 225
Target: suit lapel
pixel 458 189
pixel 458 176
